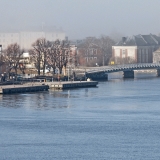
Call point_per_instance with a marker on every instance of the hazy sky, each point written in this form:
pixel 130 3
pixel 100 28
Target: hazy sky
pixel 82 18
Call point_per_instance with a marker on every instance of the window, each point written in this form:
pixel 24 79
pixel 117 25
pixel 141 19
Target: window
pixel 86 52
pixel 123 53
pixel 95 51
pixel 91 51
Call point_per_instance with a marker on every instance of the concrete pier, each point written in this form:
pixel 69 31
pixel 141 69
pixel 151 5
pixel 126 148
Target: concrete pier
pixel 44 86
pixel 128 74
pixel 71 84
pixel 9 89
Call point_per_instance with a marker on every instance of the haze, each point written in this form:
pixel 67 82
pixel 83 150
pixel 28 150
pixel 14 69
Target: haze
pixel 82 18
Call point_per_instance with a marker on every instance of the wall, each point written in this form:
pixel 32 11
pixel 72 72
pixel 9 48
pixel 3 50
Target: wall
pixel 122 52
pixel 156 56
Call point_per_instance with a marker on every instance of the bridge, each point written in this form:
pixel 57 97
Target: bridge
pixel 128 70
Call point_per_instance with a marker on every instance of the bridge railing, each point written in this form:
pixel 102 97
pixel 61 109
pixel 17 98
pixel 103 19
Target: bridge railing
pixel 116 68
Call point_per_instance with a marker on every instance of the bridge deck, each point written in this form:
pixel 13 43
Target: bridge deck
pixel 127 67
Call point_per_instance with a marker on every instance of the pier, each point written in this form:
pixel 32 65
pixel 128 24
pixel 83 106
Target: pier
pixel 44 86
pixel 9 89
pixel 71 84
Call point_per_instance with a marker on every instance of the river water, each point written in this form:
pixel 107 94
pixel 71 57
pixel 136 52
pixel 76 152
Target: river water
pixel 117 120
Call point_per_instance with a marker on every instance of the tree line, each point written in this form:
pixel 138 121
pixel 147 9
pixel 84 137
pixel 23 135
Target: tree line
pixel 44 53
pixel 54 55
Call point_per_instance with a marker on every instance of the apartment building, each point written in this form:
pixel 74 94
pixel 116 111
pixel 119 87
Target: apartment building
pixel 138 48
pixel 26 39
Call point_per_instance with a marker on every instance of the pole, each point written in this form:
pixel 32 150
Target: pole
pixel 68 64
pixel 68 73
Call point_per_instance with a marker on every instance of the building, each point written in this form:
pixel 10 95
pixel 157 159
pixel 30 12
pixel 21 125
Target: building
pixel 73 55
pixel 89 53
pixel 90 56
pixel 156 56
pixel 26 39
pixel 26 61
pixel 135 49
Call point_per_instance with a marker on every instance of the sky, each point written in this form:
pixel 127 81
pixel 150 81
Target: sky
pixel 83 18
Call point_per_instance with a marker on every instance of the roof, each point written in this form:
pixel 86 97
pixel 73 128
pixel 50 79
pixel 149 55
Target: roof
pixel 139 40
pixel 128 41
pixel 157 51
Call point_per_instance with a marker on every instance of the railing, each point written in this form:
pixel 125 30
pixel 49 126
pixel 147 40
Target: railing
pixel 126 67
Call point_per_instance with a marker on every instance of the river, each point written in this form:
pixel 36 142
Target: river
pixel 117 120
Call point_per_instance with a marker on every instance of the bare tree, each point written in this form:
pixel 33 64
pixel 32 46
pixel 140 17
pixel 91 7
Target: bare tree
pixel 62 51
pixel 39 54
pixel 55 54
pixel 59 55
pixel 2 60
pixel 83 55
pixel 105 43
pixel 52 58
pixel 13 55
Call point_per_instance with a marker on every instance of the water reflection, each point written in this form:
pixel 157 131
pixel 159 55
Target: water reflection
pixel 13 100
pixel 40 100
pixel 49 100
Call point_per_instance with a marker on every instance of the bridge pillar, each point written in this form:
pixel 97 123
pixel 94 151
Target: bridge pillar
pixel 128 74
pixel 158 72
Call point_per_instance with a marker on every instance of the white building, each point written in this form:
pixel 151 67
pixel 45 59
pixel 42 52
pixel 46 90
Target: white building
pixel 137 49
pixel 156 56
pixel 26 39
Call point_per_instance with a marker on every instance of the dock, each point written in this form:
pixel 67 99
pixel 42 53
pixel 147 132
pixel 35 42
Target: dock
pixel 71 84
pixel 44 86
pixel 9 89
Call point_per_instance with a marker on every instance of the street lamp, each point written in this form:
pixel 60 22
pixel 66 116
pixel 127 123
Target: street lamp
pixel 1 58
pixel 68 73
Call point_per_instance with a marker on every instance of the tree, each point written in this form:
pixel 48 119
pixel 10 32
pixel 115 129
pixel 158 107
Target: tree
pixel 83 54
pixel 105 43
pixel 52 58
pixel 62 52
pixel 2 60
pixel 13 55
pixel 39 54
pixel 54 54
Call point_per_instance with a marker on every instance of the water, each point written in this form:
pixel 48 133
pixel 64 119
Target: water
pixel 118 120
